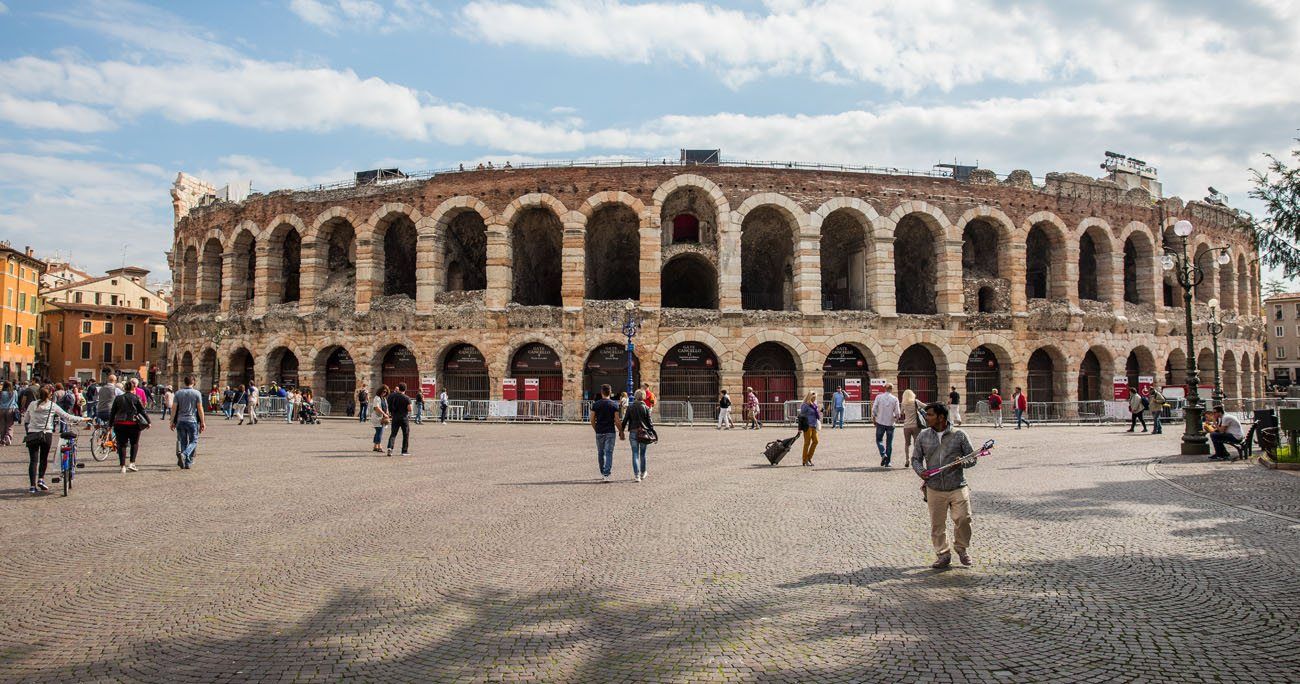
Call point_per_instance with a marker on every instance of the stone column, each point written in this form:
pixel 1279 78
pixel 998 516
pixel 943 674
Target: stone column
pixel 728 263
pixel 651 261
pixel 426 278
pixel 808 274
pixel 1110 286
pixel 369 276
pixel 949 297
pixel 312 276
pixel 880 277
pixel 228 279
pixel 262 278
pixel 1016 277
pixel 500 275
pixel 573 284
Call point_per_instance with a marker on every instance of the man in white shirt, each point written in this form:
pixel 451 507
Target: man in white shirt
pixel 1228 432
pixel 885 413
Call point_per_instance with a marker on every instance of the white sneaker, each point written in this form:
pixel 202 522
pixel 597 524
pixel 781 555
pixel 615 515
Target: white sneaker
pixel 638 478
pixel 605 478
pixel 123 470
pixel 132 468
pixel 645 475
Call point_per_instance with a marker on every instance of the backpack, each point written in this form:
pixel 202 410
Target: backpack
pixel 1146 403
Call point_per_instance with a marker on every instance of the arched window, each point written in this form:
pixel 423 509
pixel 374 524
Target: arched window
pixel 686 228
pixel 689 281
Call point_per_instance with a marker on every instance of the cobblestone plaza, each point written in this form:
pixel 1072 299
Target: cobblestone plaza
pixel 291 553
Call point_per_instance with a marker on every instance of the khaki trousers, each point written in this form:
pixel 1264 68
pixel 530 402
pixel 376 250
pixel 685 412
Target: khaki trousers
pixel 942 504
pixel 809 444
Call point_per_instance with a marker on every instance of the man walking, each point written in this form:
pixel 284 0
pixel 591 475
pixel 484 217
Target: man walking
pixel 885 413
pixel 954 405
pixel 442 406
pixel 604 420
pixel 1157 407
pixel 1136 408
pixel 995 407
pixel 187 422
pixel 253 396
pixel 399 409
pixel 104 399
pixel 837 409
pixel 751 408
pixel 946 493
pixel 1021 404
pixel 363 405
pixel 724 411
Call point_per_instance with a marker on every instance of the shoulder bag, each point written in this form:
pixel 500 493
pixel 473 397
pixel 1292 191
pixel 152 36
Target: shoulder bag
pixel 644 435
pixel 40 437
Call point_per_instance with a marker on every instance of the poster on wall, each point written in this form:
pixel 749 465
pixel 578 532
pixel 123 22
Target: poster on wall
pixel 1120 383
pixel 428 386
pixel 1144 384
pixel 877 387
pixel 509 389
pixel 853 389
pixel 532 389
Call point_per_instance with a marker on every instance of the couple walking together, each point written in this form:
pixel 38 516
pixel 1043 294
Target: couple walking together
pixel 612 422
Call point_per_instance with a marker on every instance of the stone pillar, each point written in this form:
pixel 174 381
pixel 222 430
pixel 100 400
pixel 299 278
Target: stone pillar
pixel 728 263
pixel 500 275
pixel 1071 388
pixel 810 380
pixel 1016 277
pixel 262 278
pixel 880 276
pixel 369 276
pixel 949 297
pixel 573 284
pixel 808 274
pixel 426 277
pixel 1066 285
pixel 313 272
pixel 228 279
pixel 651 261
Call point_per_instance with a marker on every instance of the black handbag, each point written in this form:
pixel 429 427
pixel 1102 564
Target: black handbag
pixel 39 438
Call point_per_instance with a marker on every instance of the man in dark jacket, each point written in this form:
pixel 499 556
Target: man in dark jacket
pixel 399 410
pixel 946 493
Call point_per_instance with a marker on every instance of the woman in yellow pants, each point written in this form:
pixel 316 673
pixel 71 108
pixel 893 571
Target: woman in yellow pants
pixel 811 416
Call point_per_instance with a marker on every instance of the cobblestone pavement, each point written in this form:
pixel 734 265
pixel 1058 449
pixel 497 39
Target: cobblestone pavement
pixel 292 553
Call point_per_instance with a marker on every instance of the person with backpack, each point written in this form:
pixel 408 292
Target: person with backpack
pixel 995 407
pixel 639 429
pixel 1158 404
pixel 724 411
pixel 1137 408
pixel 107 393
pixel 128 418
pixel 228 402
pixel 362 404
pixel 913 419
pixel 42 422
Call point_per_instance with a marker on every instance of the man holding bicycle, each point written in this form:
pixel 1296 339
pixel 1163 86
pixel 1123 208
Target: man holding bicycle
pixel 946 492
pixel 187 422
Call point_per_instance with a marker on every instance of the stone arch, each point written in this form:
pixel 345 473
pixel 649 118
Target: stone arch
pixel 211 264
pixel 189 274
pixel 601 199
pixel 243 250
pixel 1096 370
pixel 283 259
pixel 333 214
pixel 283 365
pixel 923 368
pixel 689 281
pixel 690 209
pixel 1228 373
pixel 1003 228
pixel 458 228
pixel 463 371
pixel 335 375
pixel 871 349
pixel 920 258
pixel 770 230
pixel 1199 250
pixel 394 249
pixel 1243 287
pixel 508 351
pixel 799 351
pixel 334 242
pixel 1176 367
pixel 612 243
pixel 847 229
pixel 1047 382
pixel 1045 257
pixel 1139 264
pixel 1227 285
pixel 1096 260
pixel 535 229
pixel 530 201
pixel 1139 361
pixel 719 349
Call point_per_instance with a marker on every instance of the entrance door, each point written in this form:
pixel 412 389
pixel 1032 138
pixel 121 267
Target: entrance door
pixel 983 375
pixel 607 365
pixel 770 370
pixel 465 375
pixel 340 382
pixel 539 361
pixel 400 367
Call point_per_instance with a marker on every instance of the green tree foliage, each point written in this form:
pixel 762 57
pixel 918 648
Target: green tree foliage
pixel 1277 235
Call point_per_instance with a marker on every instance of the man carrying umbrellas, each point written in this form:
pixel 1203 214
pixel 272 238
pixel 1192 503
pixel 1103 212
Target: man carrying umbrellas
pixel 946 493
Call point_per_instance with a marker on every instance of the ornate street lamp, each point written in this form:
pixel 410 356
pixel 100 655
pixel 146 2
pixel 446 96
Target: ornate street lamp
pixel 631 327
pixel 1189 276
pixel 1215 328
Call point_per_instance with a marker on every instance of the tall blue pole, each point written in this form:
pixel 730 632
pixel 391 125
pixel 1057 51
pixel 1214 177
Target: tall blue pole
pixel 629 328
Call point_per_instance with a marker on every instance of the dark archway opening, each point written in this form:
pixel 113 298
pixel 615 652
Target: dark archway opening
pixel 465 253
pixel 537 246
pixel 979 250
pixel 1090 383
pixel 208 369
pixel 613 254
pixel 1038 263
pixel 399 366
pixel 987 300
pixel 686 228
pixel 844 262
pixel 539 362
pixel 846 366
pixel 465 374
pixel 291 267
pixel 284 368
pixel 607 365
pixel 918 372
pixel 770 370
pixel 1087 268
pixel 340 255
pixel 767 261
pixel 340 381
pixel 914 267
pixel 1132 294
pixel 983 375
pixel 210 286
pixel 239 371
pixel 1042 387
pixel 689 215
pixel 689 372
pixel 689 281
pixel 399 258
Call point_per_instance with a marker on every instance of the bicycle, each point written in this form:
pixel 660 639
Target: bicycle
pixel 101 441
pixel 68 463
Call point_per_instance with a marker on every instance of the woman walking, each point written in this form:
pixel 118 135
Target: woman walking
pixel 8 413
pixel 378 412
pixel 41 422
pixel 751 408
pixel 637 420
pixel 913 419
pixel 724 411
pixel 810 417
pixel 128 418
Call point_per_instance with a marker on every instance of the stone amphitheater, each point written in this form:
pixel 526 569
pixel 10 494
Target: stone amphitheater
pixel 783 279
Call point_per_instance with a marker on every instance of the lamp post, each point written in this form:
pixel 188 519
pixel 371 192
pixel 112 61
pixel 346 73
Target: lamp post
pixel 630 328
pixel 1189 275
pixel 1215 328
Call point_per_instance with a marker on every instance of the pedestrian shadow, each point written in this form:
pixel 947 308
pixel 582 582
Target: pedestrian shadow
pixel 345 453
pixel 552 483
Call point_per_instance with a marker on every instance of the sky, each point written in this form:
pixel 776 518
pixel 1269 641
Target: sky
pixel 102 102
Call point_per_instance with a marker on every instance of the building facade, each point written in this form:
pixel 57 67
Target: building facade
pixel 20 284
pixel 1282 315
pixel 111 324
pixel 518 281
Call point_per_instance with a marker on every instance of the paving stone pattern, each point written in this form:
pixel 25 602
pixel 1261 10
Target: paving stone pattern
pixel 291 553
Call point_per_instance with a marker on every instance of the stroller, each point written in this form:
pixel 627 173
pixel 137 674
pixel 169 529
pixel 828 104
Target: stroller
pixel 778 448
pixel 307 413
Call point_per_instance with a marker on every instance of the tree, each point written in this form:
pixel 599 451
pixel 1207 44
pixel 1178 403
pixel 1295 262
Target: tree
pixel 1274 287
pixel 1277 235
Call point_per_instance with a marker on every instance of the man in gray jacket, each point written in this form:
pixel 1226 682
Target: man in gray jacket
pixel 946 493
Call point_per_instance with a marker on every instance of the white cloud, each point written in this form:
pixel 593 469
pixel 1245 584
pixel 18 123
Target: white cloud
pixel 3 8
pixel 52 115
pixel 265 175
pixel 332 15
pixel 61 147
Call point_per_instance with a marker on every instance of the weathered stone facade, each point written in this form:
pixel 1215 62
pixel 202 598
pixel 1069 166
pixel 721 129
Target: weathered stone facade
pixel 727 257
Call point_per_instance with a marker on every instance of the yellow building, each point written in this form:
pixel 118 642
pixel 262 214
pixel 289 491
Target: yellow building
pixel 19 283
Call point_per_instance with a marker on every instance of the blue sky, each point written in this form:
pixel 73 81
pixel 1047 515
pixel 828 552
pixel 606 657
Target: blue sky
pixel 102 102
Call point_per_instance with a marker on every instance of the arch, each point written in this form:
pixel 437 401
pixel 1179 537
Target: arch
pixel 918 370
pixel 463 373
pixel 336 374
pixel 393 243
pixel 185 367
pixel 770 369
pixel 987 258
pixel 1139 266
pixel 535 200
pixel 919 260
pixel 847 366
pixel 689 281
pixel 984 367
pixel 693 208
pixel 1205 289
pixel 606 364
pixel 798 350
pixel 284 259
pixel 613 251
pixel 210 272
pixel 769 243
pixel 190 275
pixel 537 242
pixel 1227 286
pixel 1139 362
pixel 700 336
pixel 541 363
pixel 1228 373
pixel 869 348
pixel 283 367
pixel 208 368
pixel 689 370
pixel 847 256
pixel 1176 368
pixel 1045 382
pixel 243 246
pixel 1045 261
pixel 1091 384
pixel 690 180
pixel 239 367
pixel 600 200
pixel 1243 288
pixel 335 238
pixel 1095 260
pixel 460 243
pixel 397 364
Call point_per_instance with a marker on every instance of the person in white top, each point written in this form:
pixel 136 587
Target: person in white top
pixel 253 394
pixel 1227 432
pixel 885 413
